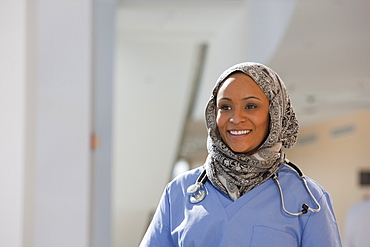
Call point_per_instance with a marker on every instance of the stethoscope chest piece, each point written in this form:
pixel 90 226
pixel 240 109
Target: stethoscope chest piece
pixel 197 192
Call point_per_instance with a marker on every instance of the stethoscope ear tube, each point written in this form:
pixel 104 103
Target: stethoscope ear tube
pixel 305 207
pixel 198 192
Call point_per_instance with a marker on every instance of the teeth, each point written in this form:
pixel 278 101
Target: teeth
pixel 240 132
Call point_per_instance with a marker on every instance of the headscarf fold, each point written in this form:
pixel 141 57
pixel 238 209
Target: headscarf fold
pixel 235 173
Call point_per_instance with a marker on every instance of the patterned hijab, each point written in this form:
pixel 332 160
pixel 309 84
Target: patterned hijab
pixel 234 173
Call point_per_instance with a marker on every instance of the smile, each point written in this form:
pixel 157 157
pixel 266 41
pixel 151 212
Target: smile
pixel 239 132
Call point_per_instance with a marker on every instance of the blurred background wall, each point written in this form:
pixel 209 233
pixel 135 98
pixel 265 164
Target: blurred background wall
pixel 100 99
pixel 334 153
pixel 53 62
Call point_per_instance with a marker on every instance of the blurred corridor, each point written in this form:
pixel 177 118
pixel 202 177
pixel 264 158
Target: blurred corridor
pixel 135 76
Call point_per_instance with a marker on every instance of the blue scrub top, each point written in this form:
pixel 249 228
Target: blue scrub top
pixel 255 219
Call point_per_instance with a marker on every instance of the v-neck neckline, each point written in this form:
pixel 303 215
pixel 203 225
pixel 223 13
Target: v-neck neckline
pixel 232 207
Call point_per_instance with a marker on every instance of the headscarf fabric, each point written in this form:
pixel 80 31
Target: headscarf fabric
pixel 234 173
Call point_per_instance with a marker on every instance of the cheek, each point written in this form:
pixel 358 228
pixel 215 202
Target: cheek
pixel 221 121
pixel 266 125
pixel 218 119
pixel 262 123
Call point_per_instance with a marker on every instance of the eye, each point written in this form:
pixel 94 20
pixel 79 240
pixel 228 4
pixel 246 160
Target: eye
pixel 251 106
pixel 224 107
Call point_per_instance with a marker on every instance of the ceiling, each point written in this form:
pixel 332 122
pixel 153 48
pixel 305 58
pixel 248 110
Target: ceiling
pixel 324 58
pixel 321 49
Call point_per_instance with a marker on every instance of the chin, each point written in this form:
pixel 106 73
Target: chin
pixel 239 150
pixel 244 151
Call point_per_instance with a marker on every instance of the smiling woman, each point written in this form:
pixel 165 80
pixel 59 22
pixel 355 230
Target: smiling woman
pixel 262 106
pixel 234 201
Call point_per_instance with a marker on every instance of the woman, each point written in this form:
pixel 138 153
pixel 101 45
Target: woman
pixel 249 119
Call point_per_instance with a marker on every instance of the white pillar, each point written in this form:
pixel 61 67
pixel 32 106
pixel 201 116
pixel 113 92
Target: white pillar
pixel 104 39
pixel 63 108
pixel 12 124
pixel 47 56
pixel 58 183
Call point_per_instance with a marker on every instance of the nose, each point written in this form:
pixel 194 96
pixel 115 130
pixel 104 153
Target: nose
pixel 238 116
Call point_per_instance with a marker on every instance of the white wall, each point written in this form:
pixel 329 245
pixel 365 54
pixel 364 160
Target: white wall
pixel 45 101
pixel 151 99
pixel 103 66
pixel 63 123
pixel 12 124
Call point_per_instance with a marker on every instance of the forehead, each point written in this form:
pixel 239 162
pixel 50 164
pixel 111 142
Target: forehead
pixel 239 84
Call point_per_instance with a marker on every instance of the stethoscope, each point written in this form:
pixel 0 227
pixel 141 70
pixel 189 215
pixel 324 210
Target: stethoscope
pixel 198 191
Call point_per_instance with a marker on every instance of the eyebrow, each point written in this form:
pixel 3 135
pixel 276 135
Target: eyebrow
pixel 246 98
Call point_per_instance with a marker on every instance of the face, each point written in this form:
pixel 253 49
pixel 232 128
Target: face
pixel 242 113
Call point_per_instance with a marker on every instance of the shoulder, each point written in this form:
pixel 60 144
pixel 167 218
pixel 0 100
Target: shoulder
pixel 303 190
pixel 295 183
